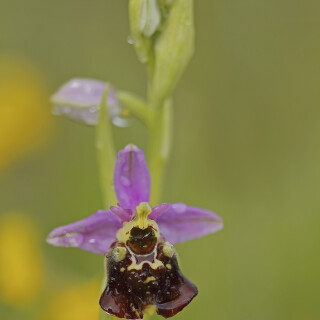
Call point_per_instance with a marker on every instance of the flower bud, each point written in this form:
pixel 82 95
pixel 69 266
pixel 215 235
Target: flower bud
pixel 79 100
pixel 150 17
pixel 173 49
pixel 141 43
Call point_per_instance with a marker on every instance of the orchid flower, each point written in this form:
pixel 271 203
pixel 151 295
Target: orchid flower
pixel 79 100
pixel 143 276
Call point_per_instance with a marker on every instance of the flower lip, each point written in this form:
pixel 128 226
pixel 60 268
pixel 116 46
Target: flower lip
pixel 145 283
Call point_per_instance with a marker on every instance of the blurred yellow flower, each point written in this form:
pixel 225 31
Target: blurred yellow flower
pixel 80 301
pixel 22 268
pixel 24 111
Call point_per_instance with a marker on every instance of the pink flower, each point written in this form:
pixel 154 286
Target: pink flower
pixel 142 269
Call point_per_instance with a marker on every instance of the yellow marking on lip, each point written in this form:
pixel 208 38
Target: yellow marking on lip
pixel 168 249
pixel 134 310
pixel 168 265
pixel 149 279
pixel 119 253
pixel 149 310
pixel 122 269
pixel 154 265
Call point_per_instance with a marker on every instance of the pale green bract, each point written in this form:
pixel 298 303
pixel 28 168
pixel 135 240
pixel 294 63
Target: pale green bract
pixel 173 49
pixel 141 43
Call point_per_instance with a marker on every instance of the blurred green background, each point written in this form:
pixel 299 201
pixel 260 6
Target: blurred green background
pixel 246 145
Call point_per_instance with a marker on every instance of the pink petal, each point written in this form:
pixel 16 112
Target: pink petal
pixel 94 233
pixel 181 223
pixel 159 210
pixel 79 100
pixel 131 178
pixel 122 214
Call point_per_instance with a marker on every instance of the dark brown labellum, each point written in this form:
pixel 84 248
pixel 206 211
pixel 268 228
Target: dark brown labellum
pixel 137 282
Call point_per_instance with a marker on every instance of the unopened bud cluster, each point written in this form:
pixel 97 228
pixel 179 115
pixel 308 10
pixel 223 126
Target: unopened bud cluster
pixel 162 32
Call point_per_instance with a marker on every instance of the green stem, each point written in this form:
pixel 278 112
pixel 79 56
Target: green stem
pixel 137 106
pixel 106 154
pixel 159 148
pixel 106 161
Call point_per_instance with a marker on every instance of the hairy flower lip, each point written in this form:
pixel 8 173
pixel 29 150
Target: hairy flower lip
pixel 177 222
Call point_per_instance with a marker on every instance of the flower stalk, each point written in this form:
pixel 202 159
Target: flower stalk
pixel 159 149
pixel 136 106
